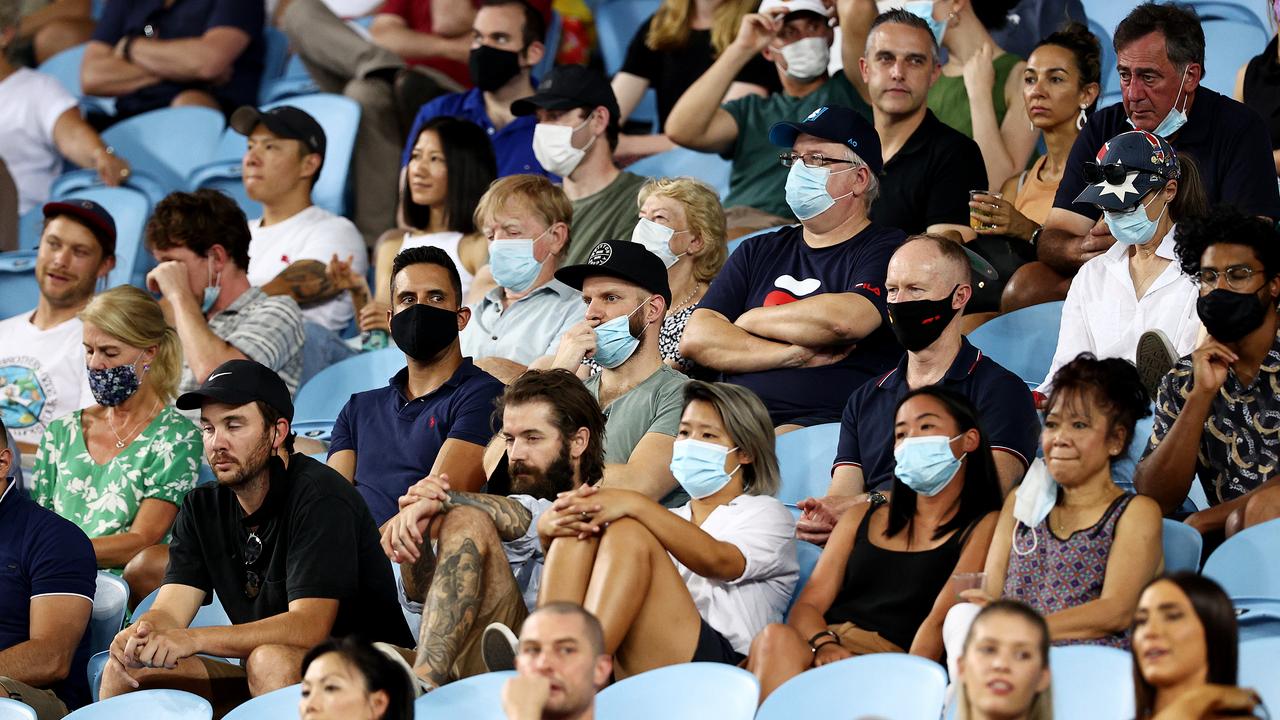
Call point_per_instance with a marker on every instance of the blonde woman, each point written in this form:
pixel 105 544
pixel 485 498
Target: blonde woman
pixel 120 468
pixel 1004 669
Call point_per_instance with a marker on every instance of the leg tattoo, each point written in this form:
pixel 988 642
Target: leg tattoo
pixel 452 606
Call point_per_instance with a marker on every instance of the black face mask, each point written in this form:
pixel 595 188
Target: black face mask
pixel 491 68
pixel 1229 316
pixel 918 323
pixel 422 331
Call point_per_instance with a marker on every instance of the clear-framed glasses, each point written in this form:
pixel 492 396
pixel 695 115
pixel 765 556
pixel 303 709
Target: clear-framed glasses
pixel 813 160
pixel 1237 277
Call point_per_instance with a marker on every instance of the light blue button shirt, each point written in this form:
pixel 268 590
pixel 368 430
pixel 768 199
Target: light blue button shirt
pixel 526 330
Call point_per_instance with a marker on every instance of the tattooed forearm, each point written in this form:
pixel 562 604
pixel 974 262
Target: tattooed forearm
pixel 306 281
pixel 509 517
pixel 450 614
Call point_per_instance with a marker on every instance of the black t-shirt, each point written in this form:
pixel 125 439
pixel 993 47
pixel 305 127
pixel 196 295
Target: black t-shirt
pixel 1262 89
pixel 318 541
pixel 927 182
pixel 671 72
pixel 1228 141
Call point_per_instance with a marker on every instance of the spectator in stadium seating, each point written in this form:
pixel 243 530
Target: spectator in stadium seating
pixel 201 242
pixel 927 287
pixel 732 546
pixel 1256 87
pixel 1185 651
pixel 350 679
pixel 785 313
pixel 553 434
pixel 294 242
pixel 560 664
pixel 884 582
pixel 672 49
pixel 1160 50
pixel 48 27
pixel 1143 188
pixel 46 598
pixel 120 469
pixel 1004 669
pixel 284 541
pixel 621 284
pixel 526 220
pixel 41 125
pixel 794 35
pixel 41 351
pixel 1070 543
pixel 1211 408
pixel 150 55
pixel 433 417
pixel 1030 21
pixel 574 101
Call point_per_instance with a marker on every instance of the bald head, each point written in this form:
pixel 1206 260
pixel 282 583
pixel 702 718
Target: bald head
pixel 926 267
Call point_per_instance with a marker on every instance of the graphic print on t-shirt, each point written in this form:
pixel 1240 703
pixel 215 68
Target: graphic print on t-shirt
pixel 791 290
pixel 24 392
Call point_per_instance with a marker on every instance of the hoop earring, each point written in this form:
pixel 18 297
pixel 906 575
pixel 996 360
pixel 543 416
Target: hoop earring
pixel 1080 121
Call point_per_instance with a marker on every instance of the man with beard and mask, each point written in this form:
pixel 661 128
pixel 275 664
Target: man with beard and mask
pixel 201 242
pixel 927 287
pixel 433 418
pixel 796 36
pixel 1214 410
pixel 284 541
pixel 622 284
pixel 485 564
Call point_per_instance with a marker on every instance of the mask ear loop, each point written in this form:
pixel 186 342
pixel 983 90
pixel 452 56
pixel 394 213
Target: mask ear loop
pixel 1014 544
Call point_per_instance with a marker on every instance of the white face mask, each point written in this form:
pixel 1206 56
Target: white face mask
pixel 553 147
pixel 807 59
pixel 1035 497
pixel 656 238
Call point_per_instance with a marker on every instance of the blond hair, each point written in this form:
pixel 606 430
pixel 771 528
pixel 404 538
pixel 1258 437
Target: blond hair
pixel 534 192
pixel 670 27
pixel 704 215
pixel 134 318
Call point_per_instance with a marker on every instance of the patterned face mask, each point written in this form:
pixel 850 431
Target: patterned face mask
pixel 112 386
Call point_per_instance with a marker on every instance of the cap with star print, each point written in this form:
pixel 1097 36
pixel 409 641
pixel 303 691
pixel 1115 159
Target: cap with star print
pixel 1129 166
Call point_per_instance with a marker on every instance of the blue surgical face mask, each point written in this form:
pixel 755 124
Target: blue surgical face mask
pixel 1133 227
pixel 923 9
pixel 699 467
pixel 1176 118
pixel 112 386
pixel 926 464
pixel 614 341
pixel 807 190
pixel 211 291
pixel 512 263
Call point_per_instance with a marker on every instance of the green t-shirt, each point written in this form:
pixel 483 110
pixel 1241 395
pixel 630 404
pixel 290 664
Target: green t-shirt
pixel 610 214
pixel 162 462
pixel 653 406
pixel 950 101
pixel 757 179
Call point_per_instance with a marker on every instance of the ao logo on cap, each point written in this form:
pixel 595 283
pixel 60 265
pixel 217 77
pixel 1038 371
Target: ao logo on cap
pixel 600 254
pixel 816 114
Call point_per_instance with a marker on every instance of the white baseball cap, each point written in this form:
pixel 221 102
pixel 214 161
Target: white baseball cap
pixel 814 6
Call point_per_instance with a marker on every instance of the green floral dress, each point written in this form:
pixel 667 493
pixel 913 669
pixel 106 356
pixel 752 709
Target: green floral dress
pixel 162 462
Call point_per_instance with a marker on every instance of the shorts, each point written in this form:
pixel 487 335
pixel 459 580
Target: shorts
pixel 228 684
pixel 862 642
pixel 44 702
pixel 713 647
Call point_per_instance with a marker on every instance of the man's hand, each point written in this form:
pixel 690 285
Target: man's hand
pixel 164 648
pixel 1209 365
pixel 577 344
pixel 112 169
pixel 125 645
pixel 373 316
pixel 432 488
pixel 818 516
pixel 1097 241
pixel 403 535
pixel 169 279
pixel 756 31
pixel 524 697
pixel 830 652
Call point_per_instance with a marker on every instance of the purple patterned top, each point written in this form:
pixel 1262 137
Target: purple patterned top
pixel 1052 574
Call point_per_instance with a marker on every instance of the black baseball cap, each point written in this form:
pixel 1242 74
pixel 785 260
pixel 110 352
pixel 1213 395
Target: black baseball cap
pixel 838 124
pixel 284 121
pixel 622 259
pixel 91 215
pixel 237 382
pixel 567 87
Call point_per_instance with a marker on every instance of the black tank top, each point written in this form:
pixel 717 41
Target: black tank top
pixel 1262 89
pixel 891 592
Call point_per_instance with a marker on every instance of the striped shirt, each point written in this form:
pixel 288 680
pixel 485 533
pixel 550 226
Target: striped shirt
pixel 266 328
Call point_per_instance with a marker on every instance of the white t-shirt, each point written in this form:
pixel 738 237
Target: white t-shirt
pixel 42 375
pixel 448 242
pixel 31 104
pixel 764 531
pixel 313 234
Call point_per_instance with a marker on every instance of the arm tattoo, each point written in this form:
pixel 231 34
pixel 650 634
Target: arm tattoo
pixel 452 607
pixel 509 516
pixel 306 281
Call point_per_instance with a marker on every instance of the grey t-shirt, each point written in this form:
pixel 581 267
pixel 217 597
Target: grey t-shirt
pixel 653 406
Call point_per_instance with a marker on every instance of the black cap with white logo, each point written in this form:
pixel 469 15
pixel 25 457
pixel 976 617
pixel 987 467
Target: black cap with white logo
pixel 622 259
pixel 238 382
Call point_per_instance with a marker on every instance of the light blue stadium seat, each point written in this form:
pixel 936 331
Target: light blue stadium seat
pixel 475 698
pixel 616 22
pixel 282 703
pixel 1108 13
pixel 1110 78
pixel 1182 546
pixel 323 397
pixel 1257 618
pixel 167 704
pixel 689 691
pixel 65 67
pixel 736 242
pixel 110 601
pixel 552 44
pixel 30 226
pixel 130 210
pixel 18 291
pixel 682 162
pixel 1257 663
pixel 804 461
pixel 888 685
pixel 1236 10
pixel 167 144
pixel 14 710
pixel 1022 341
pixel 1091 681
pixel 1245 565
pixel 1122 468
pixel 807 555
pixel 223 172
pixel 339 116
pixel 1228 44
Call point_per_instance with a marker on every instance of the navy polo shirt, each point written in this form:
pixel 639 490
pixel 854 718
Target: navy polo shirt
pixel 1005 410
pixel 512 145
pixel 42 553
pixel 396 440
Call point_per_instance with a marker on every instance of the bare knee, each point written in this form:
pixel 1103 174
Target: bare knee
pixel 194 98
pixel 271 667
pixel 1264 505
pixel 774 638
pixel 60 35
pixel 469 523
pixel 372 95
pixel 145 572
pixel 1032 284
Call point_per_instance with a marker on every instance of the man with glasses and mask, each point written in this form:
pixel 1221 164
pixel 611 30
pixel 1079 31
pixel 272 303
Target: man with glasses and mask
pixel 1214 409
pixel 798 315
pixel 285 542
pixel 433 417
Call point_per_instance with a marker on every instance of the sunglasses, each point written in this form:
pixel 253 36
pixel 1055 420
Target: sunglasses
pixel 252 551
pixel 1113 173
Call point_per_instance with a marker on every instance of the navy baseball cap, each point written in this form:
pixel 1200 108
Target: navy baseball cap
pixel 837 124
pixel 238 382
pixel 622 259
pixel 91 215
pixel 285 121
pixel 1129 166
pixel 567 87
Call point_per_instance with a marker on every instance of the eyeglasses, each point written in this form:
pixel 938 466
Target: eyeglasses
pixel 813 160
pixel 1113 173
pixel 1237 276
pixel 252 551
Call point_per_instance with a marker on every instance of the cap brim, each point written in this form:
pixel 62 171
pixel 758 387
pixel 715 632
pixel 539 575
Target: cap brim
pixel 531 104
pixel 1101 195
pixel 231 396
pixel 980 265
pixel 245 119
pixel 575 275
pixel 784 134
pixel 88 218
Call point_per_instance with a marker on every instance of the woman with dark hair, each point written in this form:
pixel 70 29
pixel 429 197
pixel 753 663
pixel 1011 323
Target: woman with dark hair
pixel 883 582
pixel 349 679
pixel 1185 651
pixel 1003 671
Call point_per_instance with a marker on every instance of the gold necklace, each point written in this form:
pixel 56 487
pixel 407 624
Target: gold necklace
pixel 120 443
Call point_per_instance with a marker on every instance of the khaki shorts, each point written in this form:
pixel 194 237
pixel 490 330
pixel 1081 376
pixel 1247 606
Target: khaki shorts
pixel 44 702
pixel 228 684
pixel 862 642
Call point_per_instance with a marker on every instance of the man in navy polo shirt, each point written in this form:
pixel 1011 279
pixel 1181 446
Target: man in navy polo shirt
pixel 47 579
pixel 435 416
pixel 927 288
pixel 798 315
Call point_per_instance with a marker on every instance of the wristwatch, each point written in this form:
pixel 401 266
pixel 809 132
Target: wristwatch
pixel 876 498
pixel 1035 235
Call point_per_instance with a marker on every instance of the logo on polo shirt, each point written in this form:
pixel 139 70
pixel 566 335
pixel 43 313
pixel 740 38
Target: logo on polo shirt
pixel 869 288
pixel 600 254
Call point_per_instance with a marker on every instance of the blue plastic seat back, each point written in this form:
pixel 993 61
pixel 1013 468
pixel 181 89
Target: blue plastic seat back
pixel 167 144
pixel 282 703
pixel 1092 681
pixel 168 704
pixel 616 22
pixel 30 226
pixel 65 68
pixel 1257 662
pixel 1228 44
pixel 552 44
pixel 1182 546
pixel 1237 10
pixel 682 162
pixel 736 242
pixel 888 685
pixel 211 615
pixel 14 710
pixel 1245 565
pixel 807 555
pixel 1022 341
pixel 340 117
pixel 804 461
pixel 475 698
pixel 19 292
pixel 109 604
pixel 1110 78
pixel 689 691
pixel 324 395
pixel 130 210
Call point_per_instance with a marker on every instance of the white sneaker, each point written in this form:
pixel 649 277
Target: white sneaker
pixel 498 647
pixel 420 686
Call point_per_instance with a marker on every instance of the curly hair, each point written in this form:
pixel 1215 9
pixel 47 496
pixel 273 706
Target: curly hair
pixel 1224 224
pixel 198 221
pixel 1112 383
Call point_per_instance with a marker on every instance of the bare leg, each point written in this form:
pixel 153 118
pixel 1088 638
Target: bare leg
pixel 145 572
pixel 1032 284
pixel 60 35
pixel 195 98
pixel 567 570
pixel 271 667
pixel 1263 506
pixel 778 654
pixel 192 675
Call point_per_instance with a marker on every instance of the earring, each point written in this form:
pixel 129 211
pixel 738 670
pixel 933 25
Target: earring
pixel 1080 121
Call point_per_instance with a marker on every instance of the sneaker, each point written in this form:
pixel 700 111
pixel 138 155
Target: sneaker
pixel 498 647
pixel 1156 358
pixel 420 686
